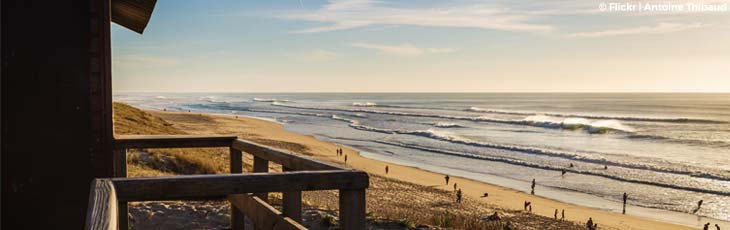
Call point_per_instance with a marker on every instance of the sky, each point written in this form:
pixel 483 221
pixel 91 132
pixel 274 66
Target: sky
pixel 426 46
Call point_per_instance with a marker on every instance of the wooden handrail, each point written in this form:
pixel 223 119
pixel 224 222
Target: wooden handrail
pixel 191 187
pixel 302 173
pixel 172 141
pixel 287 159
pixel 102 211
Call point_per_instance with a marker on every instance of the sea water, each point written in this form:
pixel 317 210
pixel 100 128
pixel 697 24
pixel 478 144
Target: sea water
pixel 667 151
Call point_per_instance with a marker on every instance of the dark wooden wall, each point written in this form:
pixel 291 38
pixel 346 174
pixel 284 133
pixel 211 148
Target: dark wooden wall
pixel 56 111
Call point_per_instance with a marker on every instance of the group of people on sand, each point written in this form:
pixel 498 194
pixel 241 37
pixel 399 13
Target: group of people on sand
pixel 562 214
pixel 707 226
pixel 340 153
pixel 459 193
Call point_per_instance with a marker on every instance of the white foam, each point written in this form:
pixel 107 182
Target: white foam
pixel 365 104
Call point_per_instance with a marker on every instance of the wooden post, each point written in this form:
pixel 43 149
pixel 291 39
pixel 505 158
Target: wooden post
pixel 352 209
pixel 261 166
pixel 120 170
pixel 237 218
pixel 120 162
pixel 292 202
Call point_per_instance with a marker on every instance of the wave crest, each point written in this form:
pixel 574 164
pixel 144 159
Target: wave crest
pixel 364 104
pixel 256 99
pixel 600 117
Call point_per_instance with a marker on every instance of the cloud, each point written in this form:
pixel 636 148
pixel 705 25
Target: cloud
pixel 660 28
pixel 350 14
pixel 405 50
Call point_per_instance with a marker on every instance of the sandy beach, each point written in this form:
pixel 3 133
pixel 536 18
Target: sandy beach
pixel 257 129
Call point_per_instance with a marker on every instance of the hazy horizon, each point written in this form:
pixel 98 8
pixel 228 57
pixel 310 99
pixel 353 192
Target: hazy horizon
pixel 423 46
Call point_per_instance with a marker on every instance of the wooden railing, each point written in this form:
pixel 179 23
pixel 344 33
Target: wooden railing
pixel 247 193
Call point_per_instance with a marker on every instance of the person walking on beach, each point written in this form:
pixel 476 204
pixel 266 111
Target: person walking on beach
pixel 454 186
pixel 717 227
pixel 589 224
pixel 562 215
pixel 458 196
pixel 707 226
pixel 556 214
pixel 626 197
pixel 699 205
pixel 345 159
pixel 533 187
pixel 447 179
pixel 527 204
pixel 386 170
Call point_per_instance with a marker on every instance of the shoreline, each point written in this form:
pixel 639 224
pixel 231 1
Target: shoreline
pixel 500 196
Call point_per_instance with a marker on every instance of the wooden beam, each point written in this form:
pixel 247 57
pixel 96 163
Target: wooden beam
pixel 292 203
pixel 283 157
pixel 352 209
pixel 261 166
pixel 216 186
pixel 132 14
pixel 172 141
pixel 263 215
pixel 102 211
pixel 120 162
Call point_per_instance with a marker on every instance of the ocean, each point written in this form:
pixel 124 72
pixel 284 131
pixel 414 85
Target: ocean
pixel 666 151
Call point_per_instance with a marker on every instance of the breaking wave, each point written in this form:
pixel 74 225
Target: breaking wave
pixel 596 127
pixel 211 99
pixel 364 104
pixel 444 136
pixel 622 118
pixel 554 168
pixel 447 125
pixel 256 99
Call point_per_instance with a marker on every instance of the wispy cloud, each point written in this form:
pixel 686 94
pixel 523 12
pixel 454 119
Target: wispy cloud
pixel 660 28
pixel 405 50
pixel 349 14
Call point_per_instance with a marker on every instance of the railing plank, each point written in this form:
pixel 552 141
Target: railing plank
pixel 102 211
pixel 216 186
pixel 283 157
pixel 172 141
pixel 263 215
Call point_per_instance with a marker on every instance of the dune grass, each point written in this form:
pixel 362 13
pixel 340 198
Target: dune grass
pixel 158 162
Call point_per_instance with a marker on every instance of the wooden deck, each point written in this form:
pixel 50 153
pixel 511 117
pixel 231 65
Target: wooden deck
pixel 247 193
